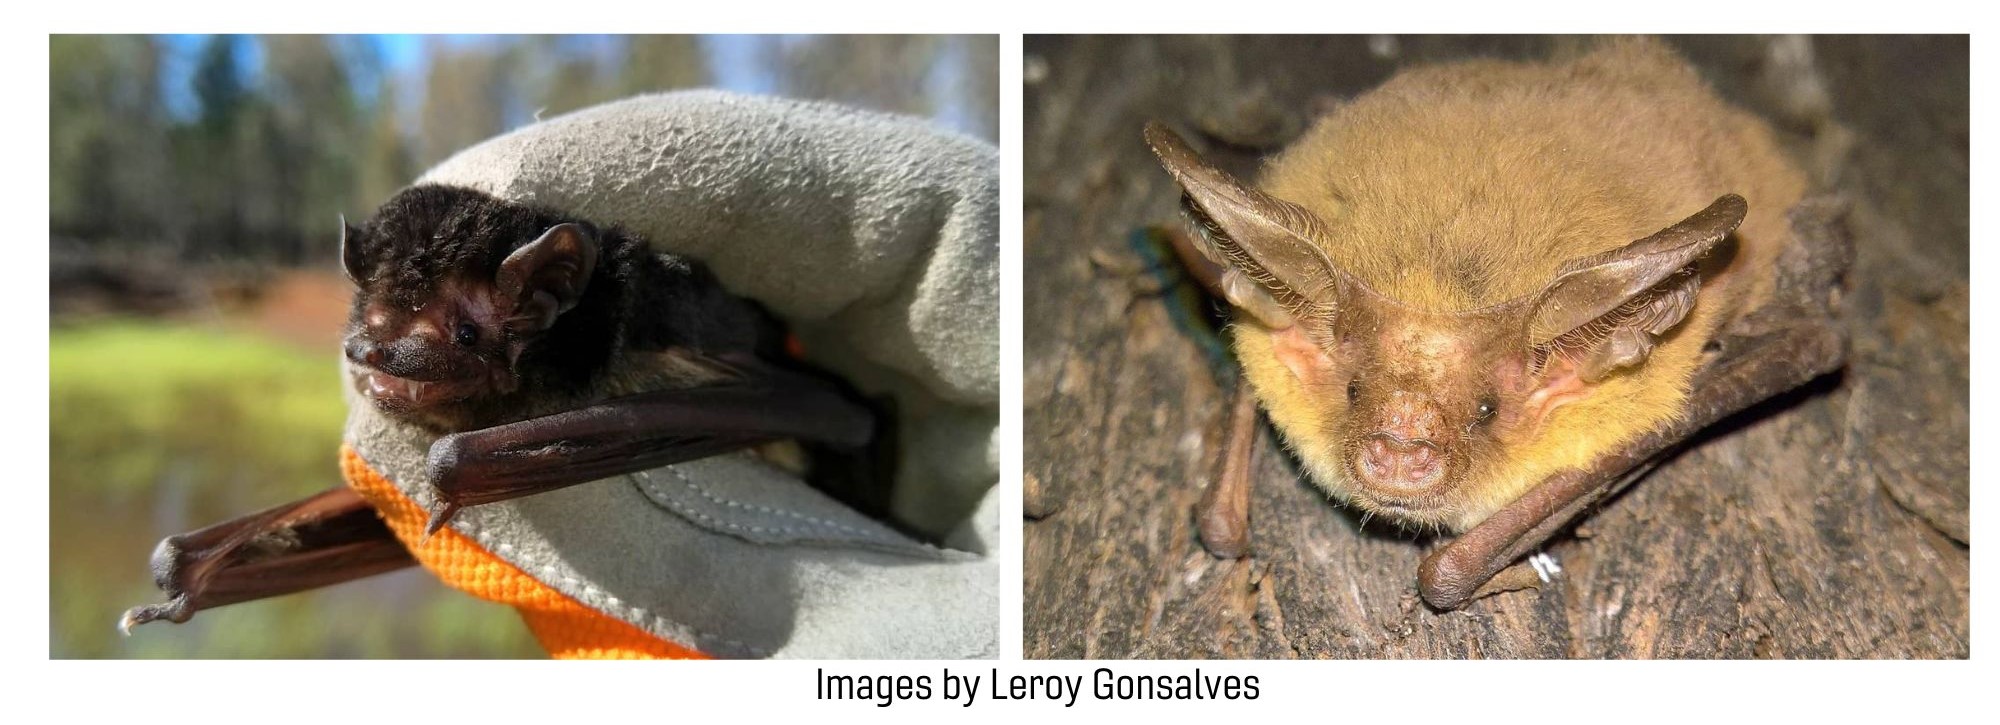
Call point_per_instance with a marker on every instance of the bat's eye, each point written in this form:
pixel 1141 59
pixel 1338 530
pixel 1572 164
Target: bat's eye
pixel 1353 389
pixel 1487 408
pixel 466 335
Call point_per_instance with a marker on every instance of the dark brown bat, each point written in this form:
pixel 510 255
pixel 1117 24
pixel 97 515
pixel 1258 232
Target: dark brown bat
pixel 544 352
pixel 1442 308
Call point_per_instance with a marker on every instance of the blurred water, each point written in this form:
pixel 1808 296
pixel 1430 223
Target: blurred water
pixel 218 425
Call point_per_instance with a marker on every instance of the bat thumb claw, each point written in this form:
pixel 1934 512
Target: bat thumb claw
pixel 129 620
pixel 439 517
pixel 177 611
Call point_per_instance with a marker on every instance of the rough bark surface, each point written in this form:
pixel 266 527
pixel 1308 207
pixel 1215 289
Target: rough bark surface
pixel 1832 522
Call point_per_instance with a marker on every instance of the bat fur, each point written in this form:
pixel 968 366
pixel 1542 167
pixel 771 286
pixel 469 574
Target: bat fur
pixel 1447 204
pixel 426 264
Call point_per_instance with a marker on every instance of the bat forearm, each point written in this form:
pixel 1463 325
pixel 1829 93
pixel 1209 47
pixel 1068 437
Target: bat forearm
pixel 325 539
pixel 294 572
pixel 637 433
pixel 498 464
pixel 1762 368
pixel 1223 516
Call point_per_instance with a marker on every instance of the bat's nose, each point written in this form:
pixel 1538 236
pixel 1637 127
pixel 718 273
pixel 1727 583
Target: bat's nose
pixel 1398 466
pixel 363 351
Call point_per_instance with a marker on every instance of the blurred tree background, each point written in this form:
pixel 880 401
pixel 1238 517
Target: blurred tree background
pixel 195 183
pixel 235 147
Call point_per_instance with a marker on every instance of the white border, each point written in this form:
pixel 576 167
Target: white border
pixel 1518 691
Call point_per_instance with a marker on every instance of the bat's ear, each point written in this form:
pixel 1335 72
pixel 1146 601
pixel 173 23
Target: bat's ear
pixel 1605 311
pixel 1266 244
pixel 547 277
pixel 350 253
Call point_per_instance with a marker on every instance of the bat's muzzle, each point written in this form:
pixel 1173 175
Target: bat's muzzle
pixel 1399 468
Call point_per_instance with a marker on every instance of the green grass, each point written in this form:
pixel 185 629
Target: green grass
pixel 157 429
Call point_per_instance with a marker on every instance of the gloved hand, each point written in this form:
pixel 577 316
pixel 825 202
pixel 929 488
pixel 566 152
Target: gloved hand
pixel 875 238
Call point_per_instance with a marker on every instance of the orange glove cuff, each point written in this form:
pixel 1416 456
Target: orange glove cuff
pixel 567 628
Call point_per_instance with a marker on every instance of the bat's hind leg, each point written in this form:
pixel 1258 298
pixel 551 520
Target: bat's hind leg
pixel 1796 337
pixel 326 539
